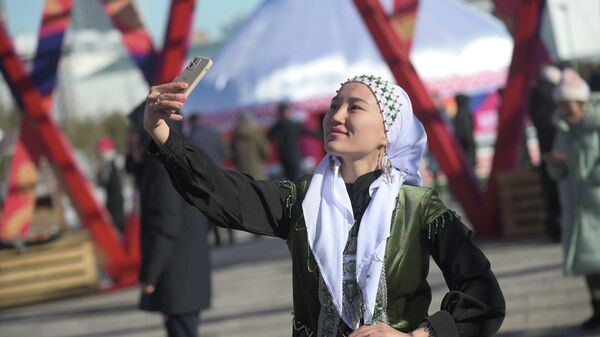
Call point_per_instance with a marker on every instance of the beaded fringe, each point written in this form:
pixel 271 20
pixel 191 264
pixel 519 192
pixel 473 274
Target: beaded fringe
pixel 289 201
pixel 440 222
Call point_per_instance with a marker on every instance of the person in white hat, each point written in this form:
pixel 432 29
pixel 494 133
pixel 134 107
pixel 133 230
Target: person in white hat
pixel 575 163
pixel 360 229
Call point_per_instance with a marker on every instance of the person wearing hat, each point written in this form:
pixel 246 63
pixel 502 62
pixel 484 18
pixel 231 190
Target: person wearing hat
pixel 575 163
pixel 360 229
pixel 108 178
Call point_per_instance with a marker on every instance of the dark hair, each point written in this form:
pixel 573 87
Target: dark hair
pixel 136 118
pixel 462 100
pixel 195 118
pixel 282 108
pixel 136 124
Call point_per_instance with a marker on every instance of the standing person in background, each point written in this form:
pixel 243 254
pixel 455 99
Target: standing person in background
pixel 432 164
pixel 594 79
pixel 206 138
pixel 108 178
pixel 542 109
pixel 210 141
pixel 175 270
pixel 286 133
pixel 463 128
pixel 575 163
pixel 249 147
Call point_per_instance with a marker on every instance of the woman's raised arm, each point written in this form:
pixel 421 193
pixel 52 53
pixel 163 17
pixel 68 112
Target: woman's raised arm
pixel 162 103
pixel 229 198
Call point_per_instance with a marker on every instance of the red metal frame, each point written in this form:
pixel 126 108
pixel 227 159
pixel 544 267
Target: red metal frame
pixel 136 38
pixel 451 158
pixel 511 122
pixel 441 142
pixel 60 154
pixel 121 265
pixel 176 42
pixel 20 201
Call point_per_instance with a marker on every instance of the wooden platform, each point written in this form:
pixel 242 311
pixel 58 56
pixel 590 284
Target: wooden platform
pixel 64 267
pixel 521 203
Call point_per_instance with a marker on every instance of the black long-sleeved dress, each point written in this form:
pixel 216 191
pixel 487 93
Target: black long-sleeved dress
pixel 474 306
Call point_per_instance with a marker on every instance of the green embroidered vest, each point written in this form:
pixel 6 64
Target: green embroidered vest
pixel 406 260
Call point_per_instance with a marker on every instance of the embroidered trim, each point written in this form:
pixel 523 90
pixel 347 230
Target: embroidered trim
pixel 439 224
pixel 389 103
pixel 298 326
pixel 289 201
pixel 328 316
pixel 352 299
pixel 381 301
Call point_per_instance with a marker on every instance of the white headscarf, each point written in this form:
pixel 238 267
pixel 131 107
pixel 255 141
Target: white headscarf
pixel 328 211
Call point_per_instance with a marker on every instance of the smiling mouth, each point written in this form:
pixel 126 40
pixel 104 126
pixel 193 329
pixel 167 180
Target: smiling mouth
pixel 336 132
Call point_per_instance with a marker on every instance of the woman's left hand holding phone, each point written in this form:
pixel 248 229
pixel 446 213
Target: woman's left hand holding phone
pixel 162 104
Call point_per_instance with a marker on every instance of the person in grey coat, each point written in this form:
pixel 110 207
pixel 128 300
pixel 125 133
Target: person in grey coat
pixel 175 270
pixel 575 163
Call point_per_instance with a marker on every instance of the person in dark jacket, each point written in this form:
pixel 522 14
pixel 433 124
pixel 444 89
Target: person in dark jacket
pixel 108 178
pixel 542 110
pixel 463 128
pixel 287 134
pixel 175 270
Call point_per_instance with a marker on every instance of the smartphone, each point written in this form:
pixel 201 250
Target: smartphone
pixel 193 72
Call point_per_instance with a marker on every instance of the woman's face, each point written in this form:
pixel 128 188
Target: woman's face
pixel 353 127
pixel 572 111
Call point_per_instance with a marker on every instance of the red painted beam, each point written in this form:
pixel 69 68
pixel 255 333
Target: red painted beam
pixel 121 265
pixel 59 152
pixel 18 209
pixel 136 38
pixel 176 42
pixel 511 122
pixel 403 20
pixel 449 155
pixel 20 200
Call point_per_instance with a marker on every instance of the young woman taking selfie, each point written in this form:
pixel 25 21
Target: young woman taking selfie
pixel 360 229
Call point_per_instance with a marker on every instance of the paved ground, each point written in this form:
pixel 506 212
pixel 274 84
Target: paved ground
pixel 252 288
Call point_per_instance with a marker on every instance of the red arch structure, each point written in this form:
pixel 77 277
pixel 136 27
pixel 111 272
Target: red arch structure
pixel 40 136
pixel 482 208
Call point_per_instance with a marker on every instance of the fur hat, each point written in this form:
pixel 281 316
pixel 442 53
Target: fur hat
pixel 571 88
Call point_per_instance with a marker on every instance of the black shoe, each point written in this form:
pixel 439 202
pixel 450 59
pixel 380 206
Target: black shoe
pixel 593 323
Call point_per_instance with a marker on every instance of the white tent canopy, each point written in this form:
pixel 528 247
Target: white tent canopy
pixel 571 29
pixel 301 50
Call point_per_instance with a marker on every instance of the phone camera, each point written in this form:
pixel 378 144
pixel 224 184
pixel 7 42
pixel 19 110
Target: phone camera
pixel 192 63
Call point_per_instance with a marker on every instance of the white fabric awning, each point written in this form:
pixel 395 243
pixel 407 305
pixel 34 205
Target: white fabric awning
pixel 301 50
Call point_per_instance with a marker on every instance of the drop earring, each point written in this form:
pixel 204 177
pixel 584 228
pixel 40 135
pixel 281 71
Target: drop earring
pixel 386 165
